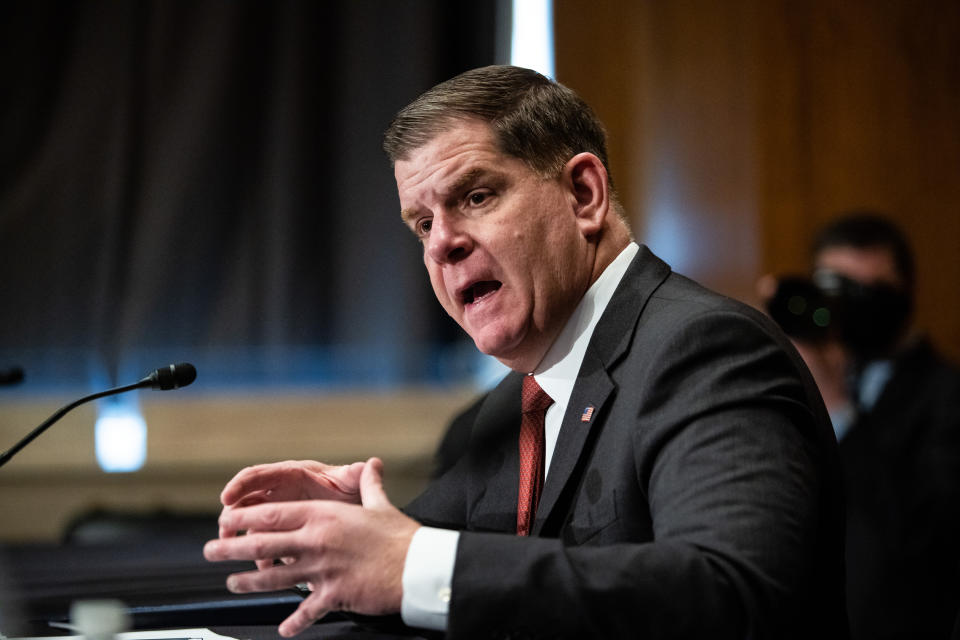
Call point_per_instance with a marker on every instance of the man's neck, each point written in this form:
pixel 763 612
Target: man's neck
pixel 615 239
pixel 609 246
pixel 576 332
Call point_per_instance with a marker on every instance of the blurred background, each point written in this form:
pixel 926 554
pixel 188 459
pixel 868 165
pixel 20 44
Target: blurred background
pixel 203 181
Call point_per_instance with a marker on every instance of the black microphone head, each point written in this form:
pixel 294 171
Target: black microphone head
pixel 173 376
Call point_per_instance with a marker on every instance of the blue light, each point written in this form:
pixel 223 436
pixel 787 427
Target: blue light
pixel 531 41
pixel 120 437
pixel 490 372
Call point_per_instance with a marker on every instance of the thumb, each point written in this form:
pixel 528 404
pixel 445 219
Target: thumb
pixel 372 495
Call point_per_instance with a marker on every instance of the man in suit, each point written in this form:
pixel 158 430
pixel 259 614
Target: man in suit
pixel 691 483
pixel 895 403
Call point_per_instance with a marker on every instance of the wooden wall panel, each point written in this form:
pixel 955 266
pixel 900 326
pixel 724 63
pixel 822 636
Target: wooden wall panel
pixel 680 85
pixel 609 87
pixel 739 128
pixel 859 105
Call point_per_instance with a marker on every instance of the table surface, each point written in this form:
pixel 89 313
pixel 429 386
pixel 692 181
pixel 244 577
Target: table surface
pixel 164 584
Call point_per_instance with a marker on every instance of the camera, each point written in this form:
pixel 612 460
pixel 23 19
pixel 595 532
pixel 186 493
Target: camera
pixel 802 309
pixel 866 318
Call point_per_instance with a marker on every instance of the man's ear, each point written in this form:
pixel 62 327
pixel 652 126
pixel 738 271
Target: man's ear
pixel 586 177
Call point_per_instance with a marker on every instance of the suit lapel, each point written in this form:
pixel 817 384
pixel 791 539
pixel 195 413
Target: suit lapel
pixel 492 497
pixel 594 388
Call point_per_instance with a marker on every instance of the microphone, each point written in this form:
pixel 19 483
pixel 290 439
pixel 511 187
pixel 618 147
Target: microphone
pixel 173 376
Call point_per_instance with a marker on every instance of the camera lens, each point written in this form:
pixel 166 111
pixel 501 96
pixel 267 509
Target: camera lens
pixel 801 309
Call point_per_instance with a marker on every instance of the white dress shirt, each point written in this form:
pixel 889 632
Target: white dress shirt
pixel 428 569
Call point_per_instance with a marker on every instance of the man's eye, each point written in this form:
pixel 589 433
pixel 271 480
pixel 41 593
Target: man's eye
pixel 423 227
pixel 478 197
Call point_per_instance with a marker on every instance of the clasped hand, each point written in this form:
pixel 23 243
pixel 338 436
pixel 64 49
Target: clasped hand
pixel 333 528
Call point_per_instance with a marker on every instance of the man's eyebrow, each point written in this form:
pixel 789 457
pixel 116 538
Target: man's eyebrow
pixel 467 179
pixel 407 215
pixel 463 181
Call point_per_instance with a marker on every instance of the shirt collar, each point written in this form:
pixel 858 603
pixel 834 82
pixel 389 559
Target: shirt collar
pixel 557 372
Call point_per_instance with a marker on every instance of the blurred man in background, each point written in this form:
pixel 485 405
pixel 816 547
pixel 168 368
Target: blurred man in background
pixel 895 406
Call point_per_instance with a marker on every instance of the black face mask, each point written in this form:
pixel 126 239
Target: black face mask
pixel 871 318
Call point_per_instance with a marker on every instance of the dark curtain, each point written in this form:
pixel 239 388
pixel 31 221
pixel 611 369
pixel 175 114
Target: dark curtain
pixel 203 181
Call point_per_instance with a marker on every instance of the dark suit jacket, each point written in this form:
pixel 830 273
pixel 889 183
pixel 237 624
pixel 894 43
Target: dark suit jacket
pixel 902 466
pixel 700 501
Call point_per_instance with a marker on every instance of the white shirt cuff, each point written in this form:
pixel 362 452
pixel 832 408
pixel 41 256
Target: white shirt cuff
pixel 427 576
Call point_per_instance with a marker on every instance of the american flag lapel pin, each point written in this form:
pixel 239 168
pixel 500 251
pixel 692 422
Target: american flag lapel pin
pixel 587 414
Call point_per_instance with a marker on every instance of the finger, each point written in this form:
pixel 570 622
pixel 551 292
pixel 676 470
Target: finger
pixel 309 611
pixel 326 482
pixel 372 495
pixel 267 563
pixel 269 516
pixel 223 530
pixel 343 479
pixel 249 500
pixel 259 546
pixel 264 563
pixel 273 578
pixel 254 497
pixel 258 478
pixel 293 480
pixel 257 497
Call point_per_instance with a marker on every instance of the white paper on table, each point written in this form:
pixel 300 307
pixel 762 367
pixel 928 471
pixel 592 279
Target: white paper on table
pixel 165 634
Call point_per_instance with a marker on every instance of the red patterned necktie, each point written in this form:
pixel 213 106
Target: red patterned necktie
pixel 534 402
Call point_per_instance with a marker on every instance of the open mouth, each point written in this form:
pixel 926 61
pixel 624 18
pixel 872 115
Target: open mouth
pixel 479 290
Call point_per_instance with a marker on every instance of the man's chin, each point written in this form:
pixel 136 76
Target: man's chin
pixel 512 354
pixel 496 344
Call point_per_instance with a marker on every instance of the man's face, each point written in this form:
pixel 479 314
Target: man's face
pixel 869 266
pixel 501 244
pixel 874 318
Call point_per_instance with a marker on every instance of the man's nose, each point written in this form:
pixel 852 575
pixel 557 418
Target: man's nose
pixel 448 241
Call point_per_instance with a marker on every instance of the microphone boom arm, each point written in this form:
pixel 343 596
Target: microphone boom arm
pixel 172 377
pixel 12 451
